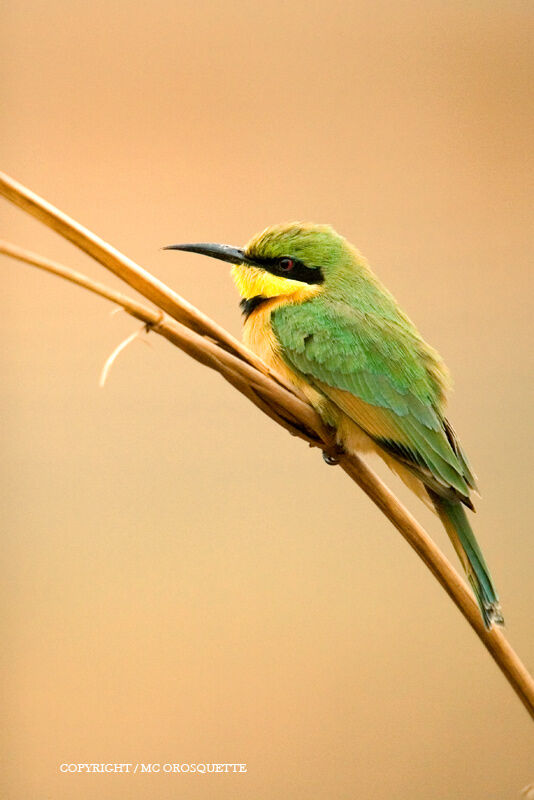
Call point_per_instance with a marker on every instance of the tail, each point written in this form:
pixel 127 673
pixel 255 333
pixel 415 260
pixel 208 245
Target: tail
pixel 454 518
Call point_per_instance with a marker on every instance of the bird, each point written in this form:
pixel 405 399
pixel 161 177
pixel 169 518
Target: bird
pixel 316 313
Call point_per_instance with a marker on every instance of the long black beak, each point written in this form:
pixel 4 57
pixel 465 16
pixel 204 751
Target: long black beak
pixel 221 251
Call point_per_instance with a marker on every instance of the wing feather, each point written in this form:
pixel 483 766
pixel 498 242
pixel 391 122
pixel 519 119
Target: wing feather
pixel 384 377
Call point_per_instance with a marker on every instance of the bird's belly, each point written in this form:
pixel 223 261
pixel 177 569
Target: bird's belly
pixel 351 437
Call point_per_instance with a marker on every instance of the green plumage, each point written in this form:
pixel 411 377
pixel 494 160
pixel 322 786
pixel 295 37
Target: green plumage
pixel 457 525
pixel 341 332
pixel 331 341
pixel 352 336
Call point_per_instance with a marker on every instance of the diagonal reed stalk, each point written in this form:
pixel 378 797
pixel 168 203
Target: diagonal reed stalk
pixel 200 337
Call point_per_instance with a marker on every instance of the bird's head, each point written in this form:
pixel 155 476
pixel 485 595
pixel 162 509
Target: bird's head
pixel 282 260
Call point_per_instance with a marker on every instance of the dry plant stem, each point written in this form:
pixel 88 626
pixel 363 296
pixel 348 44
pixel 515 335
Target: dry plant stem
pixel 131 273
pixel 280 403
pixel 301 420
pixel 268 393
pixel 494 640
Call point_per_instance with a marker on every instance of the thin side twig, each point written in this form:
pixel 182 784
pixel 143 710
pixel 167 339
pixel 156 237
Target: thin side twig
pixel 117 351
pixel 284 406
pixel 131 273
pixel 212 346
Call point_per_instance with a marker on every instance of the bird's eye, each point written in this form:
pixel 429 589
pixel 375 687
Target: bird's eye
pixel 286 264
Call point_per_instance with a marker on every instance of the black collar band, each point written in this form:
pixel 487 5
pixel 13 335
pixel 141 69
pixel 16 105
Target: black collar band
pixel 249 305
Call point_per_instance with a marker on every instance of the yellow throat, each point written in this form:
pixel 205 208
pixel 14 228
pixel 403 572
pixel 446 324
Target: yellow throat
pixel 256 282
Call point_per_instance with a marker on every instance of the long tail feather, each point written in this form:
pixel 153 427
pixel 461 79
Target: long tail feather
pixel 454 518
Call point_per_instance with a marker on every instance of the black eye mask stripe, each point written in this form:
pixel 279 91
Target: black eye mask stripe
pixel 299 272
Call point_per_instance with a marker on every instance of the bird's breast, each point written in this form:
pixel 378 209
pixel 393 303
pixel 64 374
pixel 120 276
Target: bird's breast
pixel 258 333
pixel 259 336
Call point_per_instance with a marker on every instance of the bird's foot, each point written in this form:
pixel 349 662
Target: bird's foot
pixel 332 455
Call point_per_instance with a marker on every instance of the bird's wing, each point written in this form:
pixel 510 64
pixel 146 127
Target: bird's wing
pixel 383 376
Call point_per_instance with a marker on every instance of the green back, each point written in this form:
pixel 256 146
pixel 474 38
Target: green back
pixel 354 337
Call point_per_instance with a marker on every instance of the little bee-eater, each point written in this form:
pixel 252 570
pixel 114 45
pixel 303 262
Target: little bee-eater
pixel 315 312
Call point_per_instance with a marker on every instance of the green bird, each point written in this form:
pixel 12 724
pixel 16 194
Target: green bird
pixel 315 312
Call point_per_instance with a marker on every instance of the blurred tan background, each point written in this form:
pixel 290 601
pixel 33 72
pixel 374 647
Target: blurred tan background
pixel 181 580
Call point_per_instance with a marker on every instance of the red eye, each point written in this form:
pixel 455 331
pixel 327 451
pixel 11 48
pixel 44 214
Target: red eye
pixel 286 264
